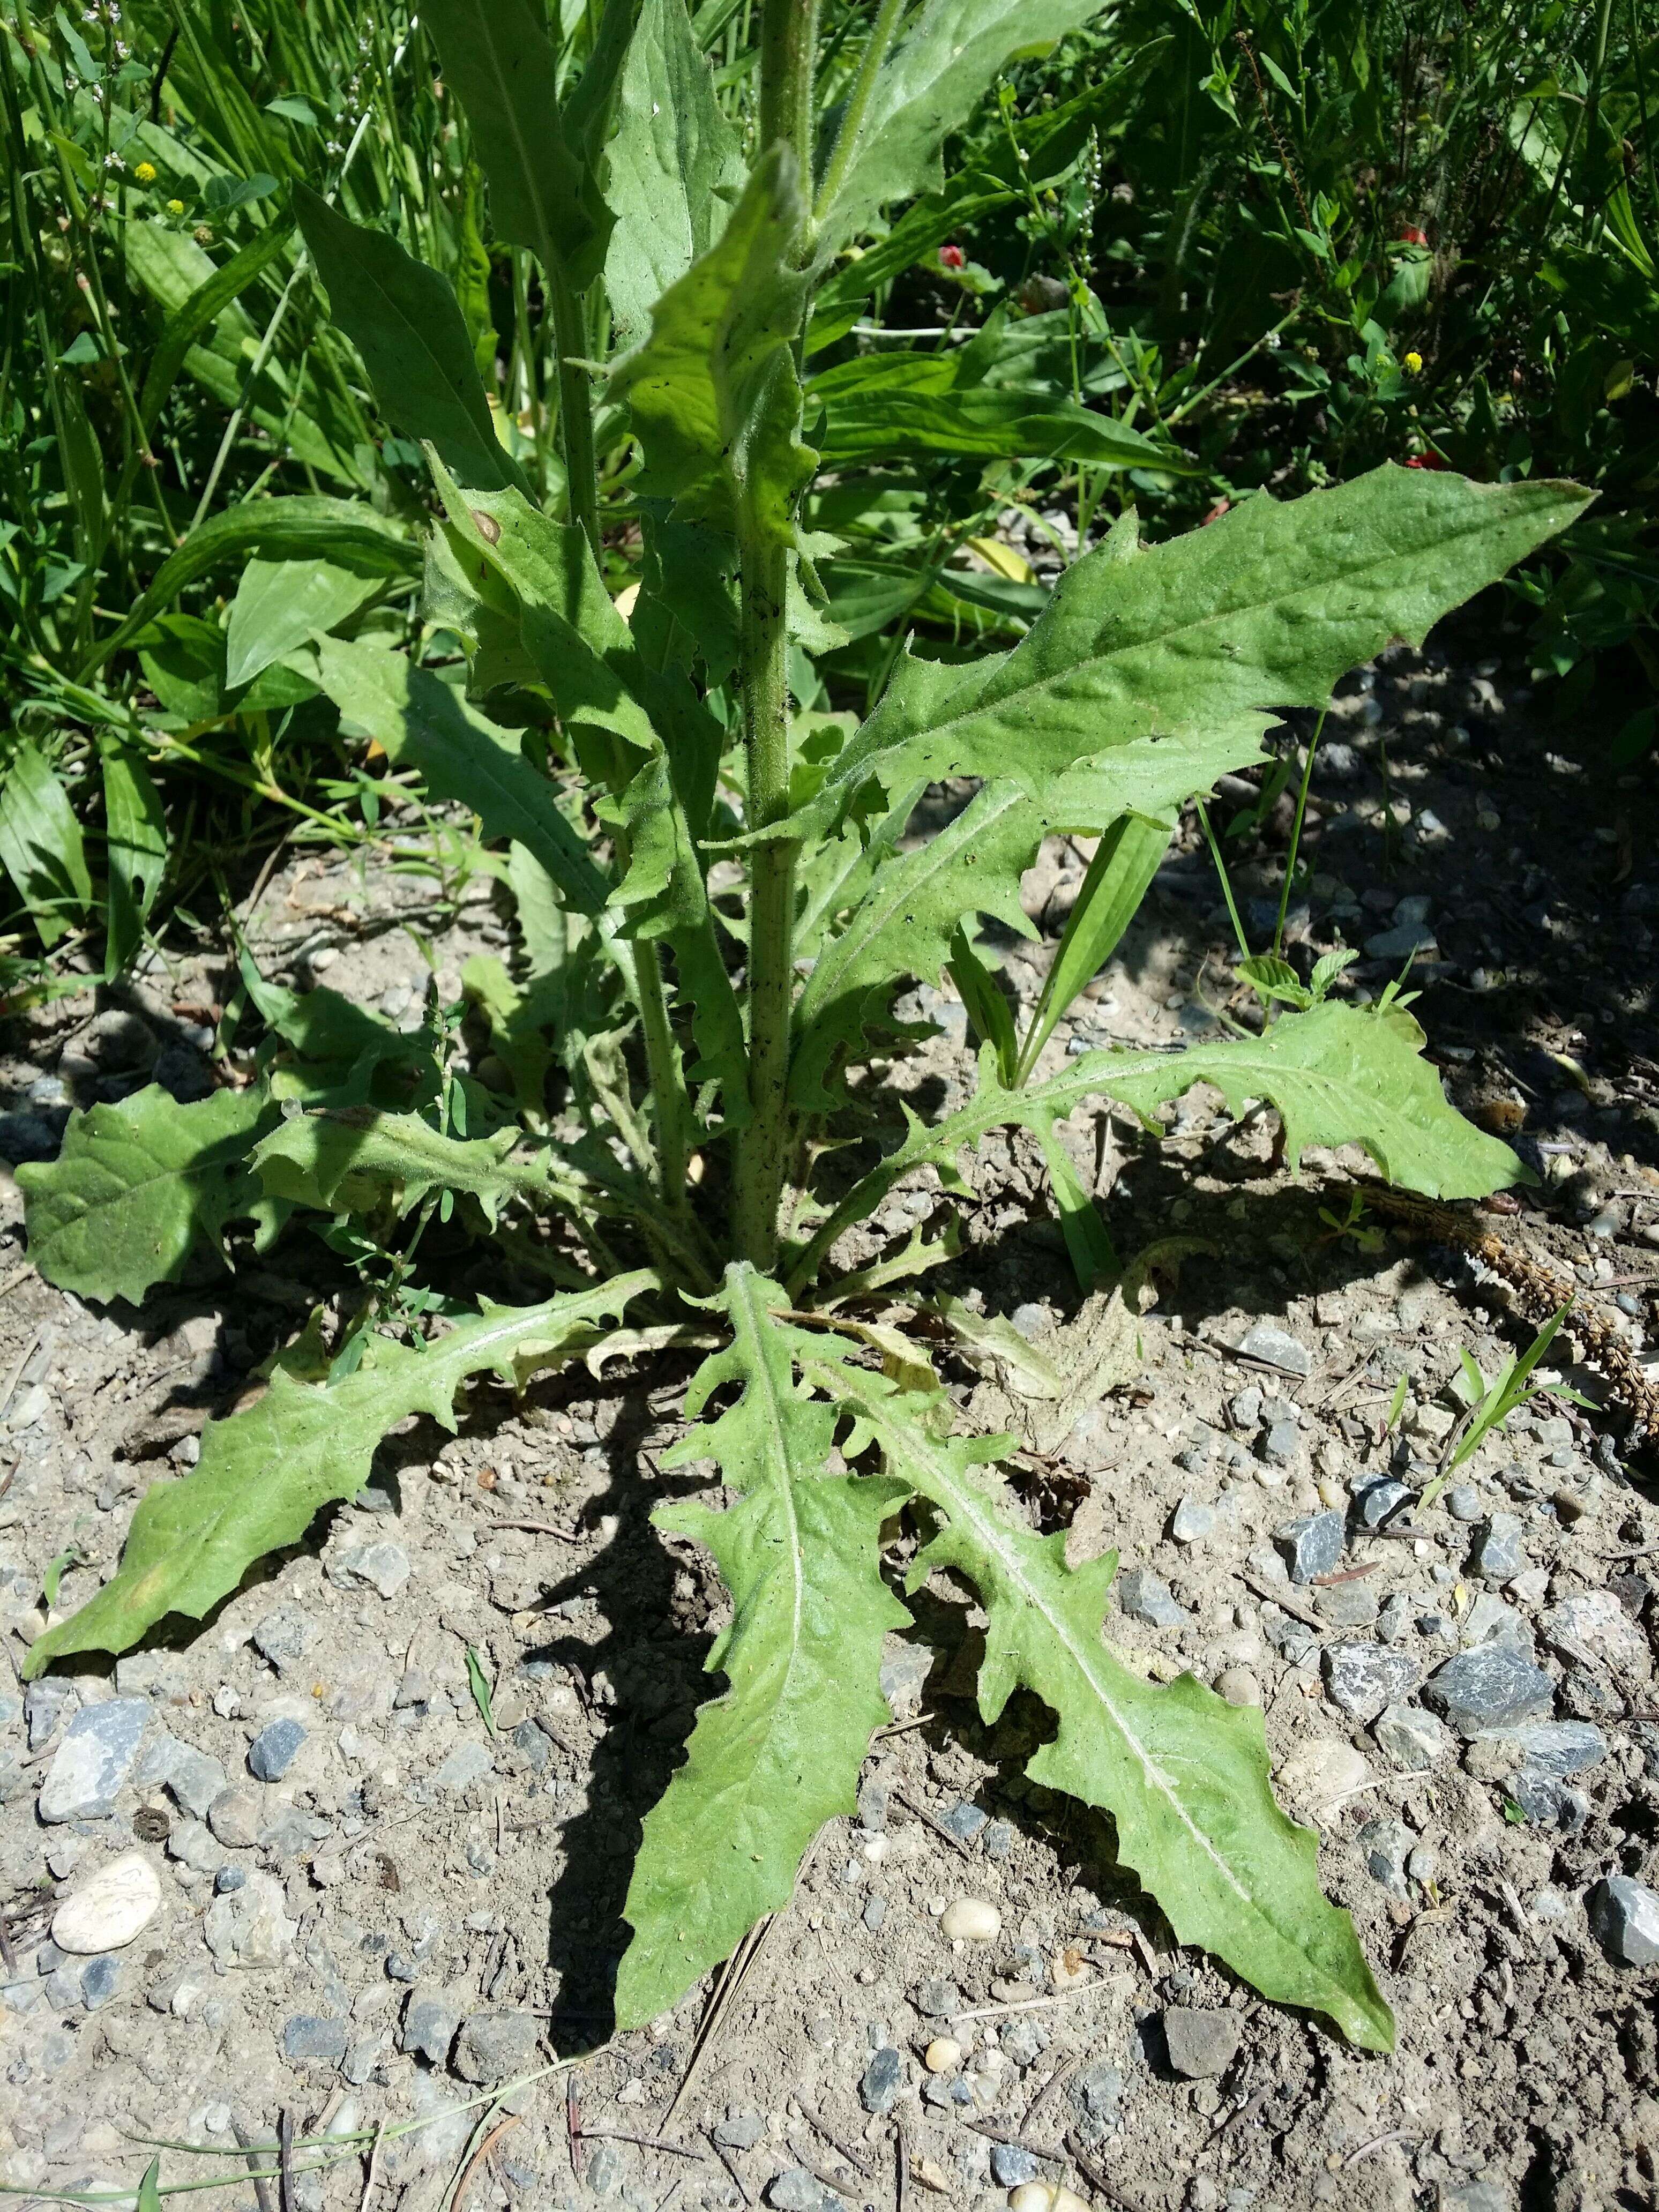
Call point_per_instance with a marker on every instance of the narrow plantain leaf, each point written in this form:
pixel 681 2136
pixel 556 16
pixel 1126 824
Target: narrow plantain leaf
pixel 202 309
pixel 139 1187
pixel 497 55
pixel 136 850
pixel 779 1754
pixel 865 418
pixel 405 321
pixel 1125 862
pixel 904 925
pixel 928 88
pixel 713 392
pixel 1183 1774
pixel 281 604
pixel 1199 636
pixel 419 720
pixel 675 168
pixel 265 1474
pixel 1338 1075
pixel 41 847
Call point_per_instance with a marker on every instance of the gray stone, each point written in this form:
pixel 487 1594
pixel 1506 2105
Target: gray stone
pixel 46 1704
pixel 1097 2091
pixel 875 1911
pixel 191 1843
pixel 1549 1802
pixel 64 1988
pixel 430 2024
pixel 229 1879
pixel 1200 2044
pixel 362 2059
pixel 233 1817
pixel 1349 1605
pixel 492 2046
pixel 1191 1522
pixel 1281 1444
pixel 1399 943
pixel 249 1927
pixel 274 1750
pixel 308 2035
pixel 1011 2164
pixel 535 1743
pixel 1365 1678
pixel 1386 1846
pixel 1478 2196
pixel 284 1636
pixel 100 1982
pixel 1311 1545
pixel 1413 1738
pixel 97 1754
pixel 383 1567
pixel 468 1763
pixel 191 1777
pixel 1464 1502
pixel 1623 1915
pixel 964 1820
pixel 1377 1500
pixel 1497 1552
pixel 940 1999
pixel 999 1839
pixel 1494 1685
pixel 883 2077
pixel 1594 1624
pixel 794 2189
pixel 739 2129
pixel 1144 1597
pixel 1489 1620
pixel 872 1807
pixel 1267 1340
pixel 1245 1408
pixel 1560 1749
pixel 606 2169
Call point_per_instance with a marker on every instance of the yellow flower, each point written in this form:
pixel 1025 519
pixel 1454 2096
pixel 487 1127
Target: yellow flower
pixel 1413 364
pixel 175 207
pixel 144 174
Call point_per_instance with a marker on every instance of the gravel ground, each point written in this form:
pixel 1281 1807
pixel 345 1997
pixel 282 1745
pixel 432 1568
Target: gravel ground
pixel 303 1886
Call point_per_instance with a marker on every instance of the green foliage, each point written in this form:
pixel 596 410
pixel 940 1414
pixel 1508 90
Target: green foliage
pixel 779 1754
pixel 721 875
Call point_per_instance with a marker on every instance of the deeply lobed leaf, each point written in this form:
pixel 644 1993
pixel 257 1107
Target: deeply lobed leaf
pixel 265 1474
pixel 779 1752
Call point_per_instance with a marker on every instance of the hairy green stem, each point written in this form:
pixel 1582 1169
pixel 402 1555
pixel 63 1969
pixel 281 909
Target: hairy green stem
pixel 851 133
pixel 575 404
pixel 788 44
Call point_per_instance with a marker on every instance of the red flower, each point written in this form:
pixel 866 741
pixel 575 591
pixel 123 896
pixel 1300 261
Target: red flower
pixel 1425 461
pixel 1221 508
pixel 1412 234
pixel 952 257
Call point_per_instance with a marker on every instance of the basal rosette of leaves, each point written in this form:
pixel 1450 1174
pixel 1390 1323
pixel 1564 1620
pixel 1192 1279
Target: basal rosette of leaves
pixel 717 911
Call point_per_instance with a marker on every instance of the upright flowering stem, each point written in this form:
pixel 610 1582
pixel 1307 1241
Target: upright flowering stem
pixel 789 43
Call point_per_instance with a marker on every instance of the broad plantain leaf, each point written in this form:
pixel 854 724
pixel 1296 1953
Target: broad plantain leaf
pixel 405 321
pixel 779 1754
pixel 280 604
pixel 1201 635
pixel 927 86
pixel 418 718
pixel 713 392
pixel 1183 1774
pixel 675 168
pixel 281 529
pixel 265 1473
pixel 139 1187
pixel 1338 1075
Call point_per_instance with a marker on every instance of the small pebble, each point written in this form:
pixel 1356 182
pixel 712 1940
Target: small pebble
pixel 273 1750
pixel 971 1920
pixel 1046 2197
pixel 943 2054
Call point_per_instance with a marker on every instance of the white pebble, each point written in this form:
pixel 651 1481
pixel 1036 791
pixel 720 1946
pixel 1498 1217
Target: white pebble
pixel 943 2054
pixel 109 1910
pixel 972 1919
pixel 1045 2197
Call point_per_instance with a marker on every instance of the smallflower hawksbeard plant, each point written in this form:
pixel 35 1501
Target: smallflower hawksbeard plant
pixel 717 915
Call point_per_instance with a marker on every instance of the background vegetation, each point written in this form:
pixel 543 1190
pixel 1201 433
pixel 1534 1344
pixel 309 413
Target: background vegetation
pixel 1278 243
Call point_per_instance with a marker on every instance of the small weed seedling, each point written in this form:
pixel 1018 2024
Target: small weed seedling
pixel 717 907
